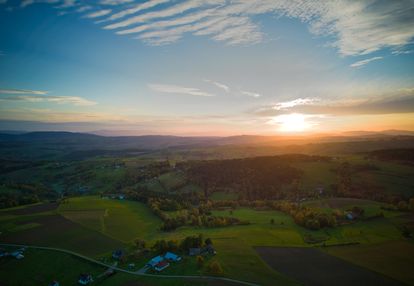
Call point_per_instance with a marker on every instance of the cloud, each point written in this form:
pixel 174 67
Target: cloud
pixel 292 103
pixel 400 102
pixel 98 14
pixel 22 91
pixel 219 85
pixel 354 27
pixel 25 95
pixel 164 88
pixel 137 8
pixel 251 94
pixel 402 52
pixel 74 100
pixel 364 62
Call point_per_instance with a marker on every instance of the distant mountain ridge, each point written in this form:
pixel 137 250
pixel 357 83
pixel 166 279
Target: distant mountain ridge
pixel 77 146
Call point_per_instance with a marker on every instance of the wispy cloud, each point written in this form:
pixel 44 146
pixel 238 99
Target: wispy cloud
pixel 164 88
pixel 218 84
pixel 22 91
pixel 251 94
pixel 364 62
pixel 402 52
pixel 292 103
pixel 401 101
pixel 99 13
pixel 357 27
pixel 25 95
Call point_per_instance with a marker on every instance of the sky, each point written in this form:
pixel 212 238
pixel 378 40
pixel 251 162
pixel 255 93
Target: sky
pixel 207 67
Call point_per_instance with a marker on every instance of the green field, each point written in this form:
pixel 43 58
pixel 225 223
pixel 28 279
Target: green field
pixel 393 258
pixel 121 220
pixel 40 267
pixel 100 223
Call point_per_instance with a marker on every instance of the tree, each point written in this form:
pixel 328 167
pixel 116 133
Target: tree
pixel 200 261
pixel 140 243
pixel 402 206
pixel 215 268
pixel 411 204
pixel 272 221
pixel 208 241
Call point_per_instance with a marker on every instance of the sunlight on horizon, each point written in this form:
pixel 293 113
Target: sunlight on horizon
pixel 294 122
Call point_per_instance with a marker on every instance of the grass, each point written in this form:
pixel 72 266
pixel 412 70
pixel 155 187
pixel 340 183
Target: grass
pixel 393 258
pixel 40 267
pixel 223 196
pixel 121 220
pixel 316 174
pixel 126 220
pixel 172 180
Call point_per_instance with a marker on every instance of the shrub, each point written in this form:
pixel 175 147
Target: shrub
pixel 200 261
pixel 215 268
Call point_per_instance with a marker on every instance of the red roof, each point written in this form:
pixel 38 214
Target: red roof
pixel 162 264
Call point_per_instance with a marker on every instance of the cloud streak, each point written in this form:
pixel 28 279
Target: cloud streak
pixel 357 27
pixel 364 62
pixel 175 89
pixel 24 95
pixel 403 103
pixel 251 94
pixel 222 86
pixel 22 91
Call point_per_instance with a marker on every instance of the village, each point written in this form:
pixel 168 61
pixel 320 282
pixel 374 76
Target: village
pixel 120 260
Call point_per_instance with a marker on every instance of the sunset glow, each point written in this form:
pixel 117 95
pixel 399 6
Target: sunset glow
pixel 206 67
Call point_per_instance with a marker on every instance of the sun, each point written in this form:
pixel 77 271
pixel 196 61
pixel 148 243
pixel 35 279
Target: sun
pixel 294 122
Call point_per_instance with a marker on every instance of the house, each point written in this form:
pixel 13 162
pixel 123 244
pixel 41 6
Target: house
pixel 117 254
pixel 350 216
pixel 155 261
pixel 3 253
pixel 161 265
pixel 54 283
pixel 172 257
pixel 194 251
pixel 158 263
pixel 17 255
pixel 85 279
pixel 210 249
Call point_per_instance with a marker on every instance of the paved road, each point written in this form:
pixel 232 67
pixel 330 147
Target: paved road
pixel 127 271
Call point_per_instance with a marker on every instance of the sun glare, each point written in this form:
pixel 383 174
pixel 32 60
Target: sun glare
pixel 294 122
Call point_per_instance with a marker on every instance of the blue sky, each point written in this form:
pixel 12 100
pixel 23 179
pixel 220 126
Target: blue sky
pixel 211 67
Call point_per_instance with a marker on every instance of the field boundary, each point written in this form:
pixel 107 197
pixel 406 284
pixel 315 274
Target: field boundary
pixel 127 271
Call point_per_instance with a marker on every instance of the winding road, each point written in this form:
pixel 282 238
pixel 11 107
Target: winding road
pixel 138 273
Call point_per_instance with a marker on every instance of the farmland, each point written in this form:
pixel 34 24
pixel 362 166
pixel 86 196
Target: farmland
pixel 121 220
pixel 255 210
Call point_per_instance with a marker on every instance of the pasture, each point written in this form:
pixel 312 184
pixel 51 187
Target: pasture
pixel 120 219
pixel 95 226
pixel 40 267
pixel 312 267
pixel 392 258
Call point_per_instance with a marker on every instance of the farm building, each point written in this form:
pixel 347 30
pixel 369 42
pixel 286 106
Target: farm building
pixel 155 261
pixel 350 216
pixel 194 251
pixel 3 253
pixel 209 249
pixel 17 255
pixel 117 254
pixel 161 265
pixel 158 263
pixel 85 279
pixel 172 257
